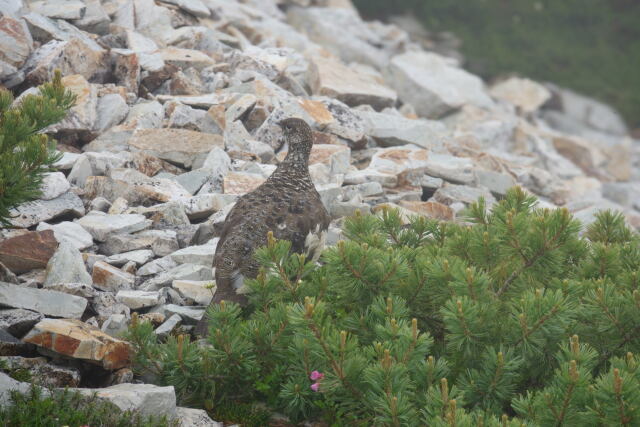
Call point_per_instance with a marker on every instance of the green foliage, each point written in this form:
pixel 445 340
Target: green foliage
pixel 542 39
pixel 64 408
pixel 515 319
pixel 25 153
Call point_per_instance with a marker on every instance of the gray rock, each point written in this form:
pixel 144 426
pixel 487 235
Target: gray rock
pixel 94 164
pixel 111 110
pixel 451 193
pixel 139 257
pixel 67 161
pixel 202 255
pixel 191 417
pixel 161 242
pixel 102 225
pixel 203 205
pixel 138 299
pixel 109 278
pixel 66 266
pixel 156 266
pixel 31 213
pixel 8 384
pixel 189 315
pixel 346 124
pixel 168 326
pixel 146 399
pixel 432 85
pixel 145 115
pixel 15 46
pixel 78 289
pixel 95 19
pixel 115 325
pixel 49 303
pixel 18 321
pixel 69 231
pixel 370 175
pixel 43 373
pixel 105 305
pixel 498 183
pixel 70 9
pixel 180 272
pixel 391 130
pixel 366 189
pixel 458 170
pixel 192 180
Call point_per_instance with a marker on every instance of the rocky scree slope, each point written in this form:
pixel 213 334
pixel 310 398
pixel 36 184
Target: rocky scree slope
pixel 178 104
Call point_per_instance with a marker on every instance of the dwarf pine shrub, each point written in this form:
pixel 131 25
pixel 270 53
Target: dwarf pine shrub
pixel 514 319
pixel 26 153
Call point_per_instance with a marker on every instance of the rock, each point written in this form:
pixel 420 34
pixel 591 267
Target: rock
pixel 392 130
pixel 189 315
pixel 126 68
pixel 109 278
pixel 78 289
pixel 15 45
pixel 134 187
pixel 115 325
pixel 581 152
pixel 433 210
pixel 161 242
pixel 81 118
pixel 43 373
pixel 202 255
pixel 101 225
pixel 191 417
pixel 184 58
pixel 139 257
pixel 371 175
pixel 70 57
pixel 8 384
pixel 179 146
pixel 49 303
pixel 156 266
pixel 346 123
pixel 451 193
pixel 585 111
pixel 111 111
pixel 66 266
pixel 525 94
pixel 405 162
pixel 73 338
pixel 69 231
pixel 104 305
pixel 18 321
pixel 53 185
pixel 196 291
pixel 7 276
pixel 181 272
pixel 31 213
pixel 145 399
pixel 240 183
pixel 95 19
pixel 138 299
pixel 496 182
pixel 432 85
pixel 168 326
pixel 94 164
pixel 329 77
pixel 70 9
pixel 28 251
pixel 459 170
pixel 145 115
pixel 67 161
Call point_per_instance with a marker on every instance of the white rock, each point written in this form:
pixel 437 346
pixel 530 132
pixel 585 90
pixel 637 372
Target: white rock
pixel 146 399
pixel 392 130
pixel 70 232
pixel 190 315
pixel 195 290
pixel 101 225
pixel 139 257
pixel 66 266
pixel 195 7
pixel 371 175
pixel 70 9
pixel 525 94
pixel 459 170
pixel 168 326
pixel 32 213
pixel 432 85
pixel 67 161
pixel 8 385
pixel 181 272
pixel 191 417
pixel 15 45
pixel 115 325
pixel 111 110
pixel 49 303
pixel 138 299
pixel 53 185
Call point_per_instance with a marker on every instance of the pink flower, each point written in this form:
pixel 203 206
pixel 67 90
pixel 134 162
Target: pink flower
pixel 315 376
pixel 315 386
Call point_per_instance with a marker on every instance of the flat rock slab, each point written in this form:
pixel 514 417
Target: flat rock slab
pixel 66 266
pixel 110 278
pixel 101 226
pixel 18 321
pixel 182 147
pixel 32 213
pixel 148 399
pixel 49 303
pixel 76 339
pixel 138 299
pixel 28 251
pixel 70 231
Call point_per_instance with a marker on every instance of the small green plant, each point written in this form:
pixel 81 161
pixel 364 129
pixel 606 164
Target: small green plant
pixel 25 153
pixel 516 319
pixel 66 408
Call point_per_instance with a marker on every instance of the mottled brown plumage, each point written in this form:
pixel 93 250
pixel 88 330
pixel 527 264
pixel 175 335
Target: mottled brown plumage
pixel 286 204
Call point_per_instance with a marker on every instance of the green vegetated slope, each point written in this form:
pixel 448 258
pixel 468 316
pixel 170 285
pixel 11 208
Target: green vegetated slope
pixel 591 46
pixel 520 317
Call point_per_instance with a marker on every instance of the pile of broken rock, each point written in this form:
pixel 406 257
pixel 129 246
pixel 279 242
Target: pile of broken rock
pixel 176 117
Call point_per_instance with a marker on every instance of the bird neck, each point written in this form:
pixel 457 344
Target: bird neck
pixel 298 158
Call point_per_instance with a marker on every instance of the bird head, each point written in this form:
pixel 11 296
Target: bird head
pixel 297 134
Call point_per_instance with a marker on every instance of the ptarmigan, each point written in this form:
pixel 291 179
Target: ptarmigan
pixel 286 204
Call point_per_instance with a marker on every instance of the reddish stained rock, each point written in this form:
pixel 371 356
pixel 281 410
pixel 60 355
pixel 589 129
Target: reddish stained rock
pixel 28 251
pixel 76 339
pixel 241 183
